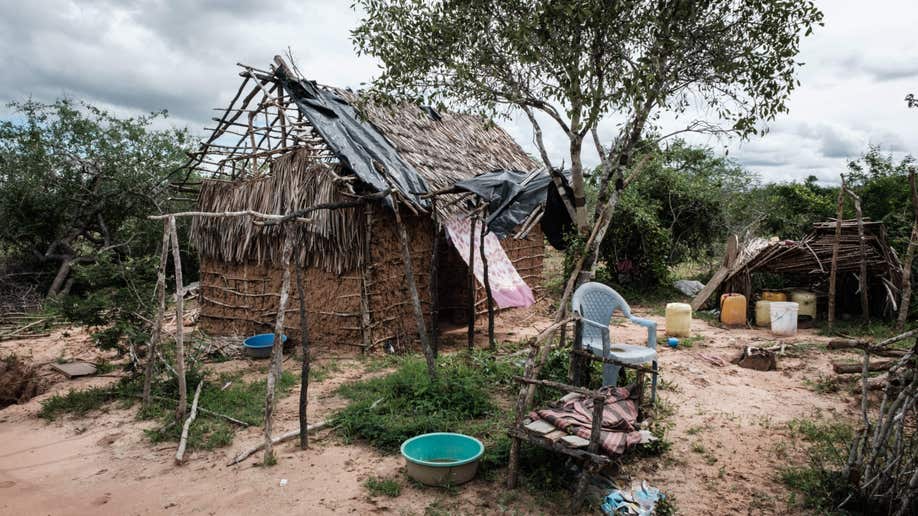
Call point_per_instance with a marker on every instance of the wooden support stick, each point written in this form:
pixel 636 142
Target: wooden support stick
pixel 833 274
pixel 277 350
pixel 862 244
pixel 492 342
pixel 470 282
pixel 435 280
pixel 183 442
pixel 279 439
pixel 157 330
pixel 413 291
pixel 179 324
pixel 909 255
pixel 304 369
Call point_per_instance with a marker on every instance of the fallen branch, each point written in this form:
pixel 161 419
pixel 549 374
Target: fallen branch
pixel 183 442
pixel 851 367
pixel 279 439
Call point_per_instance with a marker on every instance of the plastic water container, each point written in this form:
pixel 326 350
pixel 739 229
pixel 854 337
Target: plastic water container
pixel 763 313
pixel 733 309
pixel 678 320
pixel 784 318
pixel 774 296
pixel 807 302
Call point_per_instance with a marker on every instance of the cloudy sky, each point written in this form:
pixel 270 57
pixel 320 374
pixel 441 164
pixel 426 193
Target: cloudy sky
pixel 144 55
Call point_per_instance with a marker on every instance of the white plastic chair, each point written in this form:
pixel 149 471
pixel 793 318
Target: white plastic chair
pixel 596 303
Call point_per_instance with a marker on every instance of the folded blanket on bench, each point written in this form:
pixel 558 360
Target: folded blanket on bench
pixel 619 419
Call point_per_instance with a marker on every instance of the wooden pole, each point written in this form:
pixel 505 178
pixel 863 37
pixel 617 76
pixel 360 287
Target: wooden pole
pixel 304 347
pixel 862 243
pixel 435 280
pixel 909 256
pixel 179 324
pixel 413 292
pixel 833 274
pixel 277 350
pixel 492 342
pixel 471 284
pixel 157 330
pixel 183 442
pixel 279 439
pixel 366 278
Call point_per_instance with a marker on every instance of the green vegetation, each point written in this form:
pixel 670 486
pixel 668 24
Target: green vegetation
pixel 820 480
pixel 378 486
pixel 240 399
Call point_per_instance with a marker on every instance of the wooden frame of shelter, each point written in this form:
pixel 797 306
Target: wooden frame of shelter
pixel 844 250
pixel 265 155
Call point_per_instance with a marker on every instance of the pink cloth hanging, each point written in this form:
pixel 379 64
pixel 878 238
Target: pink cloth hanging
pixel 507 287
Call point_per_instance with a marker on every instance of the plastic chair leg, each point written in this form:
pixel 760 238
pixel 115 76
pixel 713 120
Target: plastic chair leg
pixel 653 384
pixel 610 374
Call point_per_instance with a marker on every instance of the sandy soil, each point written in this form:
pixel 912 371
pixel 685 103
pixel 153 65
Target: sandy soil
pixel 104 465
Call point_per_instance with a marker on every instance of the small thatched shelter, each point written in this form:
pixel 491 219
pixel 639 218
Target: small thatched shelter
pixel 807 263
pixel 286 144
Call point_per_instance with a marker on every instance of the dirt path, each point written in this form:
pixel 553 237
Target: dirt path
pixel 727 424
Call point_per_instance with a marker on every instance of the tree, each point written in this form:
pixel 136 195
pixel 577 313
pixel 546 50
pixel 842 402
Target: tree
pixel 76 184
pixel 582 61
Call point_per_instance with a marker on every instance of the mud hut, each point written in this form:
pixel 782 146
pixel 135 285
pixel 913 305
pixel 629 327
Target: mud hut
pixel 284 145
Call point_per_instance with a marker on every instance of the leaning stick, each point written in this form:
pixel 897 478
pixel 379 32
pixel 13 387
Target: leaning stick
pixel 157 330
pixel 180 454
pixel 179 323
pixel 277 440
pixel 833 274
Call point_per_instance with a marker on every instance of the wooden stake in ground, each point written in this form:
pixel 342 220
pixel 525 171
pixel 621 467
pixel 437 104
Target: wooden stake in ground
pixel 862 240
pixel 179 324
pixel 180 454
pixel 833 274
pixel 277 350
pixel 471 284
pixel 435 280
pixel 157 330
pixel 304 348
pixel 413 292
pixel 492 343
pixel 909 256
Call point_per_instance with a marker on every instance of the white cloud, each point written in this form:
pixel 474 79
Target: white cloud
pixel 146 55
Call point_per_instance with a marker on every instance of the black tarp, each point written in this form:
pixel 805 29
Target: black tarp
pixel 510 202
pixel 355 142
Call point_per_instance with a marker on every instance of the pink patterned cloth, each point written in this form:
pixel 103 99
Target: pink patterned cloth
pixel 507 287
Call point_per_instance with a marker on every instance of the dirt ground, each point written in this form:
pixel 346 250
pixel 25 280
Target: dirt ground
pixel 727 425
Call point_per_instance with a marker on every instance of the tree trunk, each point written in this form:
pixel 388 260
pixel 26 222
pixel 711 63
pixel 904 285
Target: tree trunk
pixel 157 330
pixel 62 272
pixel 277 350
pixel 304 370
pixel 833 274
pixel 909 256
pixel 577 184
pixel 179 324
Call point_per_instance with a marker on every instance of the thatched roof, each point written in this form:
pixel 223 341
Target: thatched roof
pixel 444 147
pixel 334 241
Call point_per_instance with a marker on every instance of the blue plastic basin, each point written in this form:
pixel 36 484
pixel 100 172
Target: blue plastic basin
pixel 442 458
pixel 259 346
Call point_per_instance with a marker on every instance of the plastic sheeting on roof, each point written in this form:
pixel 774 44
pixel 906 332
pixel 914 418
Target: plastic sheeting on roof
pixel 510 201
pixel 356 143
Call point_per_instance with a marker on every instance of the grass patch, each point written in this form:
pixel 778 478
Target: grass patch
pixel 241 400
pixel 822 384
pixel 820 480
pixel 321 372
pixel 689 342
pixel 378 486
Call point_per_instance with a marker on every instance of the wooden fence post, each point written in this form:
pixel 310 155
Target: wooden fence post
pixel 492 343
pixel 277 350
pixel 471 284
pixel 909 256
pixel 304 370
pixel 833 274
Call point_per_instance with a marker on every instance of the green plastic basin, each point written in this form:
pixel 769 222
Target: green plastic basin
pixel 442 458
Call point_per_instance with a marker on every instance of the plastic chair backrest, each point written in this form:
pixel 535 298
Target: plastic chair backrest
pixel 598 302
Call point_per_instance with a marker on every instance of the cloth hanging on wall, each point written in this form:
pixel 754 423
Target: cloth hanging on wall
pixel 507 286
